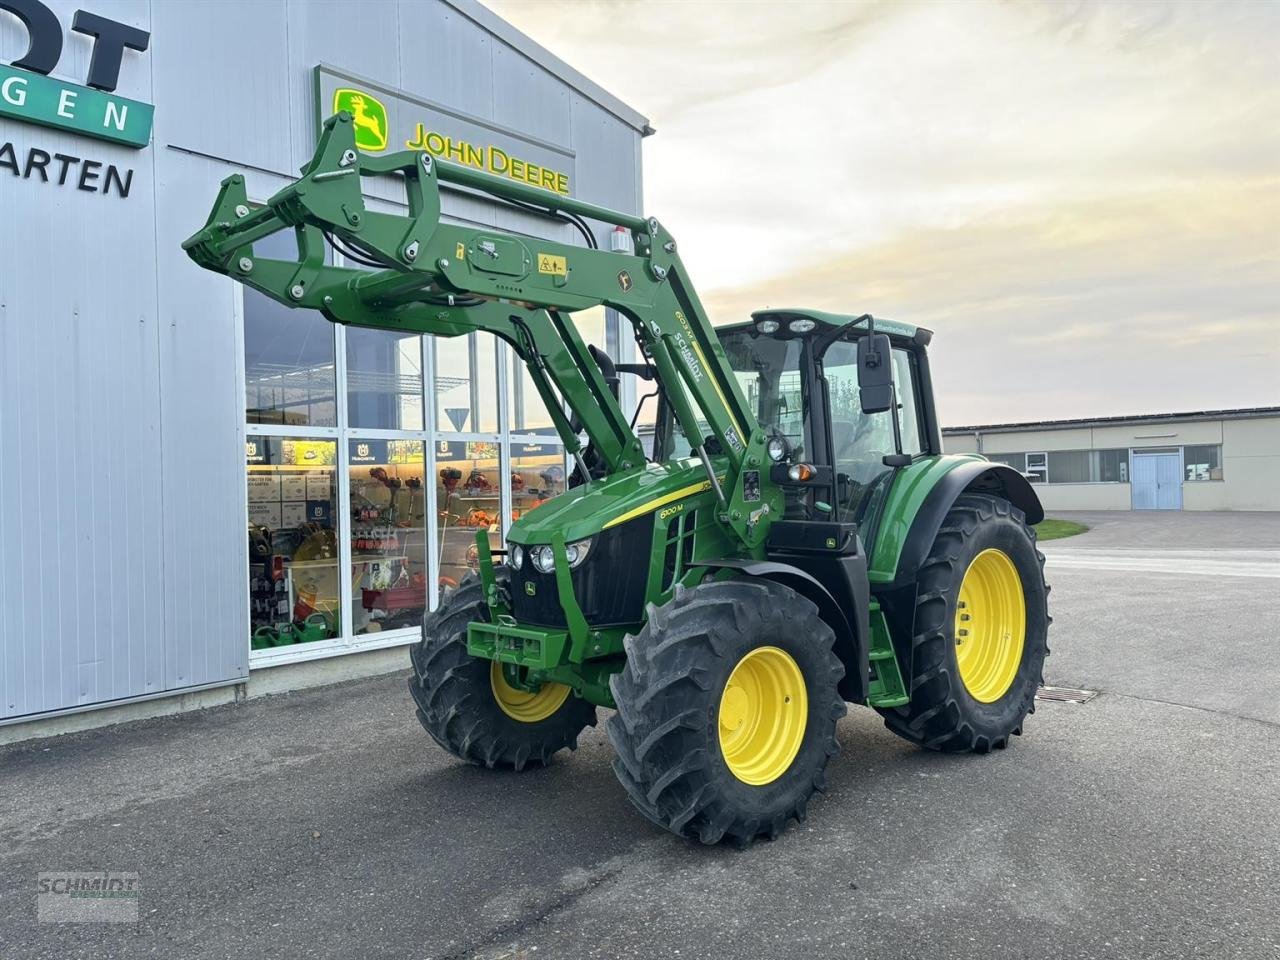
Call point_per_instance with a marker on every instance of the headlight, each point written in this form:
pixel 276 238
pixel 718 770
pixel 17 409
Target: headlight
pixel 768 326
pixel 777 448
pixel 544 558
pixel 517 556
pixel 800 472
pixel 575 553
pixel 801 325
pixel 544 561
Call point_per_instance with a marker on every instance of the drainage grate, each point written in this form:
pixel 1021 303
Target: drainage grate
pixel 1065 694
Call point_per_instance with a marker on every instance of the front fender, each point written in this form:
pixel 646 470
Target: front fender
pixel 843 602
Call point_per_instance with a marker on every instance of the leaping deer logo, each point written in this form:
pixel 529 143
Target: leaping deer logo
pixel 369 115
pixel 364 119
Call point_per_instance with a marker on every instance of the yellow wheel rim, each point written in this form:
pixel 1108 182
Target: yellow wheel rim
pixel 763 712
pixel 521 704
pixel 991 626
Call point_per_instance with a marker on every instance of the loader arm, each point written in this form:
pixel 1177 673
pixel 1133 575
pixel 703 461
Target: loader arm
pixel 432 277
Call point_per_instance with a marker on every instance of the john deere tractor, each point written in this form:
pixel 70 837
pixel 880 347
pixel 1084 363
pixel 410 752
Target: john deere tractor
pixel 792 540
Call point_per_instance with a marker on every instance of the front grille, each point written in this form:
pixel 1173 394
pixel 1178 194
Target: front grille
pixel 609 585
pixel 679 551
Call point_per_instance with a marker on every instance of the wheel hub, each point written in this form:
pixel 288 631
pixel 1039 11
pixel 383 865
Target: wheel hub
pixel 762 716
pixel 525 705
pixel 990 625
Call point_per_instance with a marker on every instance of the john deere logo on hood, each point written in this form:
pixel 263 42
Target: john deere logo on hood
pixel 370 117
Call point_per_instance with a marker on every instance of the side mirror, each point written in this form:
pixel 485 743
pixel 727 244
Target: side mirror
pixel 875 373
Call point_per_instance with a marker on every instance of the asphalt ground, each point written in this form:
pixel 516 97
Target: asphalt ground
pixel 1145 823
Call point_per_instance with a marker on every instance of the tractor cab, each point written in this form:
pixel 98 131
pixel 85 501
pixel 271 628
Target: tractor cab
pixel 833 439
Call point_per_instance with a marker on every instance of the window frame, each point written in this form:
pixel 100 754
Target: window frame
pixel 1222 467
pixel 1042 469
pixel 1048 481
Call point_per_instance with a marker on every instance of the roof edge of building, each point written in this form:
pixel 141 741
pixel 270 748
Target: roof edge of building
pixel 486 19
pixel 1239 413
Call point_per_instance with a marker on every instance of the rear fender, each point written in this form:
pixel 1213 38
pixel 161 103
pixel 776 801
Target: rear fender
pixel 920 499
pixel 910 523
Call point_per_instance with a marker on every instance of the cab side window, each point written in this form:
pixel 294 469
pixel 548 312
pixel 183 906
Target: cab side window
pixel 860 441
pixel 861 437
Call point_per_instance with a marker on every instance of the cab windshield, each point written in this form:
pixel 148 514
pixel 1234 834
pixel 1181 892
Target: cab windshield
pixel 768 371
pixel 771 373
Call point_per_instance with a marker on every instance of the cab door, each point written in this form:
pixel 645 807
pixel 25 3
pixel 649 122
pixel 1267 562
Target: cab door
pixel 858 441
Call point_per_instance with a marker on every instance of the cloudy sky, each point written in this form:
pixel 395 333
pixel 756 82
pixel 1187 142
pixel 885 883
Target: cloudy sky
pixel 1082 200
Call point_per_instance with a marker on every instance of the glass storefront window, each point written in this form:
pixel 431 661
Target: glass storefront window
pixel 289 372
pixel 537 475
pixel 526 411
pixel 466 384
pixel 388 534
pixel 384 380
pixel 294 594
pixel 468 499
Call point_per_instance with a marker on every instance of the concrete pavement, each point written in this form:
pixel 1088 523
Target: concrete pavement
pixel 325 823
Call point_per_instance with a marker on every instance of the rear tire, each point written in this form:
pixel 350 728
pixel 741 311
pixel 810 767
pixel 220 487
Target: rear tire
pixel 967 699
pixel 458 695
pixel 708 758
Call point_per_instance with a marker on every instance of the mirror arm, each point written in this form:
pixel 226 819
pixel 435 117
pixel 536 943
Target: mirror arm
pixel 897 458
pixel 821 344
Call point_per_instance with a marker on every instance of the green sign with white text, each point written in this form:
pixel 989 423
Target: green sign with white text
pixel 34 98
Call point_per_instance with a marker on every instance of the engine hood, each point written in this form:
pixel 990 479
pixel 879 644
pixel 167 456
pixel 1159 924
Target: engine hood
pixel 592 507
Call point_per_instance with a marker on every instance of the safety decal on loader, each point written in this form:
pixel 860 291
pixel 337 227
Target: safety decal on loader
pixel 553 265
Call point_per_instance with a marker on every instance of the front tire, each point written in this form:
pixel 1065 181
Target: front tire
pixel 981 622
pixel 470 707
pixel 727 710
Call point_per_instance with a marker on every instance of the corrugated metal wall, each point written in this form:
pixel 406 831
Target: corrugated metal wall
pixel 122 544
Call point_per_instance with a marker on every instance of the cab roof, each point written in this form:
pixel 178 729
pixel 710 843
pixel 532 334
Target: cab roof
pixel 824 318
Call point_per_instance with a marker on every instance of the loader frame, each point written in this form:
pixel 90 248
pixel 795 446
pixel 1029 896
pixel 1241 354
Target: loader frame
pixel 413 272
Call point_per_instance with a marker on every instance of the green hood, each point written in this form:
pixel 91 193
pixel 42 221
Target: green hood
pixel 588 509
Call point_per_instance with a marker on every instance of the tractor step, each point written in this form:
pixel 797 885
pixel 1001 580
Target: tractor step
pixel 886 688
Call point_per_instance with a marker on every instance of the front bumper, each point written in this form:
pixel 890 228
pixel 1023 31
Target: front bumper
pixel 508 642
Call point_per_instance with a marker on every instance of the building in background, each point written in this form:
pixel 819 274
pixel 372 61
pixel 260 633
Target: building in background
pixel 196 482
pixel 1212 460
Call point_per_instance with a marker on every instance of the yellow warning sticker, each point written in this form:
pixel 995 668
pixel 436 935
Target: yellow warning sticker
pixel 461 252
pixel 556 266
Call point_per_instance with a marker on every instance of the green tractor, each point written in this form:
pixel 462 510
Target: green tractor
pixel 792 539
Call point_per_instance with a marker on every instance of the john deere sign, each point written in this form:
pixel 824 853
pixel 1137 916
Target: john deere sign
pixel 388 119
pixel 28 93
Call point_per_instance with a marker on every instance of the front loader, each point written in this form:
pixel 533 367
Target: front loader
pixel 795 539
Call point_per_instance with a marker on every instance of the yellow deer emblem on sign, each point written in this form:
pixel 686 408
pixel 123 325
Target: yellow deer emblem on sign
pixel 364 119
pixel 369 117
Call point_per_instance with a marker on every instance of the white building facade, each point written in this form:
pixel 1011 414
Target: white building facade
pixel 1210 460
pixel 197 483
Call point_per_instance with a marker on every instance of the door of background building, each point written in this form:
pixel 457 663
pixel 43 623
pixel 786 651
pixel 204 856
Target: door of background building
pixel 1157 481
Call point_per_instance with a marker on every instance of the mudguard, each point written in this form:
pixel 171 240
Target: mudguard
pixel 843 600
pixel 910 522
pixel 919 500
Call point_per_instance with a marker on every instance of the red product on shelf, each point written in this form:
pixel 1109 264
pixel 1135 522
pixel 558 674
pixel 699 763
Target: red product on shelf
pixel 393 598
